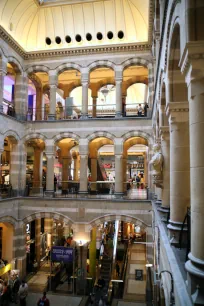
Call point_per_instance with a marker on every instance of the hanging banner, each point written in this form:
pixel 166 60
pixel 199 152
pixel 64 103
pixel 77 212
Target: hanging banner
pixel 61 254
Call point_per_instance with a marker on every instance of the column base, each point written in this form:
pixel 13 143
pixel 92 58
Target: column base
pixel 118 194
pixel 158 202
pixel 195 279
pixel 49 193
pixel 118 115
pixel 164 211
pixel 37 191
pixel 84 116
pixel 51 117
pixel 83 193
pixel 174 230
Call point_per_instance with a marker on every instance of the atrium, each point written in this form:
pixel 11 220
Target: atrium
pixel 102 150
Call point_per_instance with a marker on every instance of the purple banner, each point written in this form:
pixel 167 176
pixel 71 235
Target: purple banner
pixel 60 253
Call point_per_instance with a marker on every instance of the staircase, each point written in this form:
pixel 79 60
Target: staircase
pixel 106 268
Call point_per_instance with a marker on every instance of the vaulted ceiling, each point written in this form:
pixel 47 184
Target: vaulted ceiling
pixel 31 23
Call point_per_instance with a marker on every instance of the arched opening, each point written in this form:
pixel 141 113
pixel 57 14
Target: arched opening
pixel 7 233
pixel 102 80
pixel 101 166
pixel 135 167
pixel 35 167
pixel 76 97
pixel 69 80
pixel 135 91
pixel 66 167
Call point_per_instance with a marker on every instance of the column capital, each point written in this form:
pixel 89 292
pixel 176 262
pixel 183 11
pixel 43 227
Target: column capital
pixel 53 77
pixel 83 146
pixel 177 112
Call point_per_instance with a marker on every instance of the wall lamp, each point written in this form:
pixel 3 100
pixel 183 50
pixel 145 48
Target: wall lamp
pixel 172 300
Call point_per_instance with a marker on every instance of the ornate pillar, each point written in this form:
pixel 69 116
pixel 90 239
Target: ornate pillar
pixel 22 168
pixel 178 114
pixel 94 106
pixel 146 172
pixel 3 71
pixel 165 147
pixel 50 154
pixel 83 151
pixel 195 265
pixel 53 90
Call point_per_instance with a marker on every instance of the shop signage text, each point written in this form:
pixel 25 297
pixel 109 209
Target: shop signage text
pixel 59 254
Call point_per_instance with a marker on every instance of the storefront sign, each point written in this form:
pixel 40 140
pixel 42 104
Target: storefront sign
pixel 59 253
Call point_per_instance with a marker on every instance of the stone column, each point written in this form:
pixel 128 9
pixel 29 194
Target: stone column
pixel 21 96
pixel 37 239
pixel 50 154
pixel 93 173
pixel 92 253
pixel 94 106
pixel 179 166
pixel 76 166
pixel 66 163
pixel 37 170
pixel 145 169
pixel 48 226
pixel 83 173
pixel 119 175
pixel 195 265
pixel 85 86
pixel 39 102
pixel 165 147
pixel 118 83
pixel 124 173
pixel 124 105
pixel 53 90
pixel 14 168
pixel 83 151
pixel 19 248
pixel 3 71
pixel 22 168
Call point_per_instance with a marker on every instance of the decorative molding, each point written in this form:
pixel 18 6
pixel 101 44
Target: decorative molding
pixel 138 47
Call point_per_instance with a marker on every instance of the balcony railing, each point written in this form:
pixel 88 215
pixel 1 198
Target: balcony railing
pixel 72 112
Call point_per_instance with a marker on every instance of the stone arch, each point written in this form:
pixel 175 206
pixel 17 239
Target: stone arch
pixel 137 61
pixel 67 66
pixel 64 135
pixel 112 217
pixel 49 215
pixel 138 133
pixel 102 63
pixel 101 134
pixel 37 68
pixel 13 134
pixel 16 64
pixel 34 136
pixel 10 220
pixel 177 89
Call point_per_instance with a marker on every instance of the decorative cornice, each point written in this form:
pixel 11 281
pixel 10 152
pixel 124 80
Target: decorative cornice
pixel 193 51
pixel 138 47
pixel 177 107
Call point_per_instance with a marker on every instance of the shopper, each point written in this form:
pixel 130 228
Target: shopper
pixel 43 301
pixel 16 286
pixel 23 292
pixel 47 253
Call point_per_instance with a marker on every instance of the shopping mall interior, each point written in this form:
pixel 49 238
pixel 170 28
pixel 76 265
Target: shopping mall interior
pixel 102 151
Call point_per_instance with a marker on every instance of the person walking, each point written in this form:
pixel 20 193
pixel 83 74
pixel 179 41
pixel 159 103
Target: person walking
pixel 47 253
pixel 23 293
pixel 5 297
pixel 43 301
